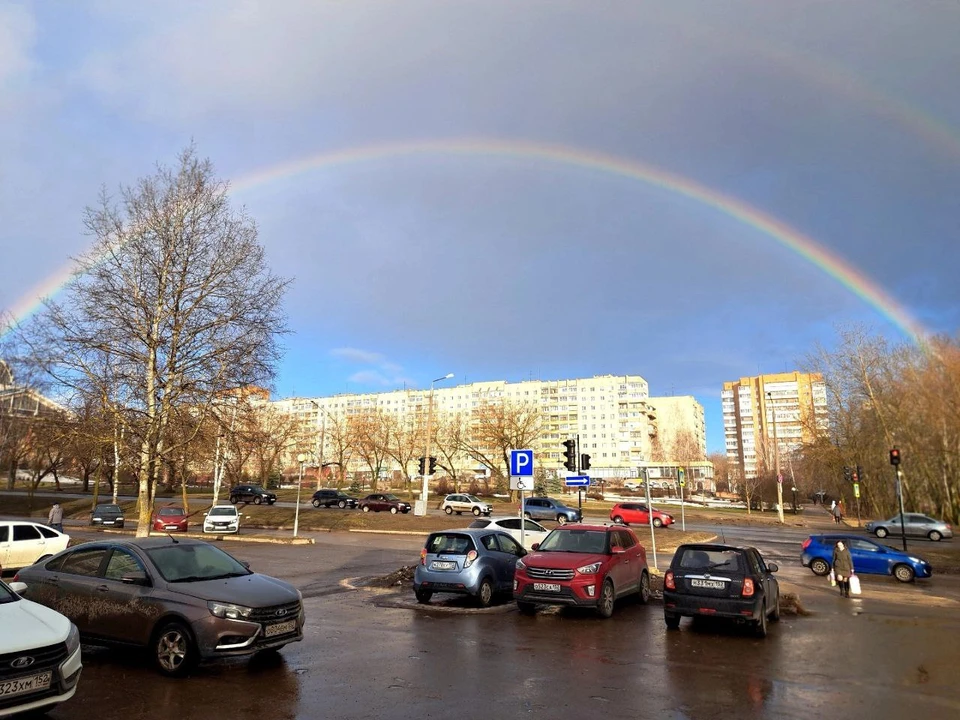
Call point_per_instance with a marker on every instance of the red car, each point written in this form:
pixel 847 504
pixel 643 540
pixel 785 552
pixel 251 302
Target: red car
pixel 170 519
pixel 584 566
pixel 637 514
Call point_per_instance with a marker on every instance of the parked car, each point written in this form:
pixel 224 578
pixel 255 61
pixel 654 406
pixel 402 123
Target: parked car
pixel 476 562
pixel 183 600
pixel 713 580
pixel 638 514
pixel 23 543
pixel 535 508
pixel 329 498
pixel 583 565
pixel 869 558
pixel 533 533
pixel 39 655
pixel 379 502
pixel 170 519
pixel 255 494
pixel 222 519
pixel 107 515
pixel 914 525
pixel 460 503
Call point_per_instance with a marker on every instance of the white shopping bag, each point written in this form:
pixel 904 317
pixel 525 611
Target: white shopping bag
pixel 854 585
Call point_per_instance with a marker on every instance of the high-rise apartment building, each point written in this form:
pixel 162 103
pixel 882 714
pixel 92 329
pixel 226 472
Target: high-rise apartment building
pixel 682 429
pixel 782 410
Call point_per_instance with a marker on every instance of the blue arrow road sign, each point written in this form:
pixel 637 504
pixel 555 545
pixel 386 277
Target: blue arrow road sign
pixel 521 463
pixel 577 481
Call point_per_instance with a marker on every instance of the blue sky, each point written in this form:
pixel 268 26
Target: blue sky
pixel 842 120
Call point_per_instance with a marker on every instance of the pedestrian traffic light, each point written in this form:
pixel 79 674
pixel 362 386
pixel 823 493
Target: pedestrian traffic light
pixel 433 465
pixel 847 473
pixel 584 462
pixel 859 473
pixel 895 456
pixel 422 466
pixel 570 454
pixel 856 474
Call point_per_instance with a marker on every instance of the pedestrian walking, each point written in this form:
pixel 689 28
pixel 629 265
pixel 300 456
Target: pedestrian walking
pixel 55 517
pixel 842 567
pixel 837 513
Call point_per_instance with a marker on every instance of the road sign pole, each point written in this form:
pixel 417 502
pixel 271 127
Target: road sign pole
pixel 683 515
pixel 579 490
pixel 523 521
pixel 653 539
pixel 903 531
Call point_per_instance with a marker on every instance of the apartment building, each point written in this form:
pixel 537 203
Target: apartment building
pixel 682 429
pixel 765 413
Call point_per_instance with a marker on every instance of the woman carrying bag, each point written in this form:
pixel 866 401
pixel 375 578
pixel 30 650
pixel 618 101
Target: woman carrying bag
pixel 842 567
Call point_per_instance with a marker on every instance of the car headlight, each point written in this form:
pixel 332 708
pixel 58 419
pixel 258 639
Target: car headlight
pixel 228 610
pixel 521 565
pixel 915 560
pixel 590 569
pixel 73 640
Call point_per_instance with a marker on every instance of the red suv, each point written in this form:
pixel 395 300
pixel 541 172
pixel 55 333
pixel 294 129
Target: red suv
pixel 170 519
pixel 637 514
pixel 584 566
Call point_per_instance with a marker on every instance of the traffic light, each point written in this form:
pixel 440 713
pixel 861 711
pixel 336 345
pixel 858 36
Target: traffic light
pixel 433 465
pixel 859 473
pixel 847 473
pixel 422 466
pixel 570 454
pixel 856 474
pixel 895 456
pixel 584 462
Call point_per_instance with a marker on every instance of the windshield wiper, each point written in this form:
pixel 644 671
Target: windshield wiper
pixel 193 578
pixel 230 575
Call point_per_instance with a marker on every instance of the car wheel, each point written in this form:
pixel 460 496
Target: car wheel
pixel 393 510
pixel 760 629
pixel 644 587
pixel 366 508
pixel 618 520
pixel 672 621
pixel 904 573
pixel 448 510
pixel 562 519
pixel 657 522
pixel 316 503
pixel 173 650
pixel 606 600
pixel 775 615
pixel 526 608
pixel 342 504
pixel 476 512
pixel 423 596
pixel 257 500
pixel 819 566
pixel 934 535
pixel 528 516
pixel 485 593
pixel 881 532
pixel 233 499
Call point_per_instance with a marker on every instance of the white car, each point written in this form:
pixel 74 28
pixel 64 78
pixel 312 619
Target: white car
pixel 534 532
pixel 222 520
pixel 40 651
pixel 461 502
pixel 22 543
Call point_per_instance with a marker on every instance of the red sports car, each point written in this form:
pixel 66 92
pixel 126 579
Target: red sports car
pixel 170 519
pixel 637 514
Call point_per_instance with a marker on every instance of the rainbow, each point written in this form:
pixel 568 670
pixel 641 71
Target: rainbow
pixel 807 248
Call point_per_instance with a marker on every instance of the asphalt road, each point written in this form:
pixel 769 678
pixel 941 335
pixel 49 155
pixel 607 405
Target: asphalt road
pixel 376 654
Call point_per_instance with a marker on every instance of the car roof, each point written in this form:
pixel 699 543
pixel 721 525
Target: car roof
pixel 147 543
pixel 586 526
pixel 714 546
pixel 473 532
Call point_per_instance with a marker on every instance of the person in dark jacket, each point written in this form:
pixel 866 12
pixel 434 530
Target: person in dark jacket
pixel 842 567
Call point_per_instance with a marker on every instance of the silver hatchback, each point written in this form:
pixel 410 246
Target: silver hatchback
pixel 914 524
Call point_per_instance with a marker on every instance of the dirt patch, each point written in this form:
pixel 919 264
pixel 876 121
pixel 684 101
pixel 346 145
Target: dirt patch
pixel 401 577
pixel 790 604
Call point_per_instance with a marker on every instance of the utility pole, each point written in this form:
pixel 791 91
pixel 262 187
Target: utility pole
pixel 421 507
pixel 776 455
pixel 653 538
pixel 895 461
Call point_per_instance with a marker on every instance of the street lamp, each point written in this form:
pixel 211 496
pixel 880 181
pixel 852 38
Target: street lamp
pixel 421 507
pixel 301 458
pixel 776 454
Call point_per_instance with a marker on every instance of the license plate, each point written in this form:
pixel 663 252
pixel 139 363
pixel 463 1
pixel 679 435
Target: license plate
pixel 171 527
pixel 21 685
pixel 547 587
pixel 711 584
pixel 280 628
pixel 443 565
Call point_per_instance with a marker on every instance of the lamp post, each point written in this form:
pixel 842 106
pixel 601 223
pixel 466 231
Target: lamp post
pixel 301 459
pixel 421 507
pixel 320 441
pixel 776 455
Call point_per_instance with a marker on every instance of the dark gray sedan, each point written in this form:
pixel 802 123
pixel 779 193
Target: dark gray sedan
pixel 914 524
pixel 183 600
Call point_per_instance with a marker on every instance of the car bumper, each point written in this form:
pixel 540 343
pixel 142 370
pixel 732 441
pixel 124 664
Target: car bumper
pixel 747 610
pixel 923 570
pixel 220 637
pixel 465 582
pixel 62 688
pixel 161 528
pixel 582 591
pixel 107 523
pixel 221 530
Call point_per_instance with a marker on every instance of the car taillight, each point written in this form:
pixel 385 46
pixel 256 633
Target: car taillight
pixel 471 556
pixel 668 582
pixel 806 543
pixel 748 587
pixel 423 556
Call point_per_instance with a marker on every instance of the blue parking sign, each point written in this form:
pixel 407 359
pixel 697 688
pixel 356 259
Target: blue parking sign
pixel 521 463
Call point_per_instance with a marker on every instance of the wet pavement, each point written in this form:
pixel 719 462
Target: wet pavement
pixel 376 654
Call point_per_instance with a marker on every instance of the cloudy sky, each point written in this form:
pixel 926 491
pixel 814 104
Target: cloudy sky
pixel 839 121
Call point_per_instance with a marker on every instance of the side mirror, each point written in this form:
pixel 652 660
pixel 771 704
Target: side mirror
pixel 133 580
pixel 617 550
pixel 522 552
pixel 18 587
pixel 535 546
pixel 245 564
pixel 773 567
pixel 205 514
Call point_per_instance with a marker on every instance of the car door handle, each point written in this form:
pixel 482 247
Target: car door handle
pixel 102 588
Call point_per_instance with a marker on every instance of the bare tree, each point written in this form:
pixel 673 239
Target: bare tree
pixel 370 438
pixel 451 435
pixel 404 440
pixel 497 427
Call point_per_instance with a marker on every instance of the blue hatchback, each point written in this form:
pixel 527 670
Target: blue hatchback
pixel 868 558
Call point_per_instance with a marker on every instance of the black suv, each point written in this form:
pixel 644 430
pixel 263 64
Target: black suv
pixel 110 515
pixel 252 493
pixel 328 498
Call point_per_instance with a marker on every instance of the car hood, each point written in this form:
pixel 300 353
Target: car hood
pixel 562 560
pixel 253 590
pixel 27 625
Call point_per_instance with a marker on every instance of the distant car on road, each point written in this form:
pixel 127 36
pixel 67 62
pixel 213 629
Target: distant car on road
pixel 170 519
pixel 107 515
pixel 22 543
pixel 329 498
pixel 713 580
pixel 543 508
pixel 256 494
pixel 533 532
pixel 222 519
pixel 869 558
pixel 183 600
pixel 477 562
pixel 460 503
pixel 638 514
pixel 914 525
pixel 384 502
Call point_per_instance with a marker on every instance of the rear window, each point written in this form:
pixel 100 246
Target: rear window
pixel 449 544
pixel 706 559
pixel 479 523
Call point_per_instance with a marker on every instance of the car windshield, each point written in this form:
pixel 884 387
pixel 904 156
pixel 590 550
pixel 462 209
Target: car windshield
pixel 709 559
pixel 391 497
pixel 577 541
pixel 226 511
pixel 166 512
pixel 449 544
pixel 258 489
pixel 194 562
pixel 7 595
pixel 473 498
pixel 108 508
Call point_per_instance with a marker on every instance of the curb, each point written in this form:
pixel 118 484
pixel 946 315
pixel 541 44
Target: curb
pixel 388 532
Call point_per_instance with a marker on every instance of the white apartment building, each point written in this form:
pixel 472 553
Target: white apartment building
pixel 680 416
